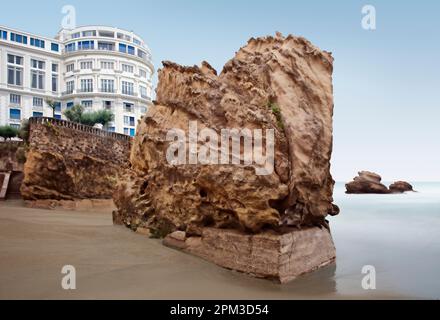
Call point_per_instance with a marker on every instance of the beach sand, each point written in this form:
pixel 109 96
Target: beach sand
pixel 115 263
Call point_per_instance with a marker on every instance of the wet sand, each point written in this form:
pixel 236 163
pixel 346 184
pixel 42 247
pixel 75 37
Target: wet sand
pixel 113 262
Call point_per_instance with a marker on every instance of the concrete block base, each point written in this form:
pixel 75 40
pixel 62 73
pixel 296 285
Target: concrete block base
pixel 96 205
pixel 282 257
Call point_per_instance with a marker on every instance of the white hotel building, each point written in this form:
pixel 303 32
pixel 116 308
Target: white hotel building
pixel 95 66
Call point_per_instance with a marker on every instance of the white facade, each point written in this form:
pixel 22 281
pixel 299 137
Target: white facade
pixel 98 67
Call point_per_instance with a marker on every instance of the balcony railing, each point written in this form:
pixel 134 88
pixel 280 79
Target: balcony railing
pixel 107 90
pixel 129 93
pixel 85 90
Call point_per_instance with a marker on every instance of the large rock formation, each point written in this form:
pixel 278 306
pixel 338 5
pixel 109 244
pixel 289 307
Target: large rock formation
pixel 68 161
pixel 279 83
pixel 370 182
pixel 366 182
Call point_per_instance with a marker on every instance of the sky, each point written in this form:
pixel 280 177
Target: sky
pixel 386 81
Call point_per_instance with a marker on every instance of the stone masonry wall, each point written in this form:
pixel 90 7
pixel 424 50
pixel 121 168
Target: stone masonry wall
pixel 69 161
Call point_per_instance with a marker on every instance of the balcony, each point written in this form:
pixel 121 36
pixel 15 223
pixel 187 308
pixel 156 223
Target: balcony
pixel 85 90
pixel 66 93
pixel 107 90
pixel 130 93
pixel 15 120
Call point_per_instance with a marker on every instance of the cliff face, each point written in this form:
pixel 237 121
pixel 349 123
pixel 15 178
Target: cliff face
pixel 66 162
pixel 278 83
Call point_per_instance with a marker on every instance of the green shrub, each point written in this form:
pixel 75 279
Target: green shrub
pixel 277 113
pixel 77 114
pixel 8 132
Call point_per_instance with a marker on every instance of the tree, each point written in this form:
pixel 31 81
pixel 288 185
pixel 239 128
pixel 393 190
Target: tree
pixel 103 117
pixel 52 104
pixel 8 132
pixel 24 130
pixel 75 114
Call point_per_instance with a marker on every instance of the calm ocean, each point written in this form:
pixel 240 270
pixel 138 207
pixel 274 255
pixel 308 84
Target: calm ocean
pixel 398 234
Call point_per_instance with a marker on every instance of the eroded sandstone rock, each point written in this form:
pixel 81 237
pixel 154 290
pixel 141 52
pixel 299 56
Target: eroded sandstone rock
pixel 366 182
pixel 279 83
pixel 68 162
pixel 400 187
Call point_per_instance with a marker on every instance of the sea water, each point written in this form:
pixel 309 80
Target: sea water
pixel 397 234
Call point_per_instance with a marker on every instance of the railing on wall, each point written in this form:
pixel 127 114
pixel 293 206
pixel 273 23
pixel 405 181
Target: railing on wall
pixel 80 127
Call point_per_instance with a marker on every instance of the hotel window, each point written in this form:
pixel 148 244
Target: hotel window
pixel 143 92
pixel 122 48
pixel 57 106
pixel 87 103
pixel 54 77
pixel 37 79
pixel 107 34
pixel 127 88
pixel 70 86
pixel 124 37
pixel 129 121
pixel 128 107
pixel 18 38
pixel 84 65
pixel 130 50
pixel 109 46
pixel 37 102
pixel 15 98
pixel 111 129
pixel 143 73
pixel 86 85
pixel 37 43
pixel 37 114
pixel 58 116
pixel 127 68
pixel 127 131
pixel 76 35
pixel 15 114
pixel 15 73
pixel 143 110
pixel 15 76
pixel 136 41
pixel 37 76
pixel 107 65
pixel 89 33
pixel 107 85
pixel 38 64
pixel 54 47
pixel 70 67
pixel 132 132
pixel 86 45
pixel 54 83
pixel 69 105
pixel 142 54
pixel 107 104
pixel 3 35
pixel 70 47
pixel 15 59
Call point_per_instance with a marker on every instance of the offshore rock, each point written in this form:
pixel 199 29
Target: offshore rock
pixel 400 187
pixel 279 83
pixel 366 182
